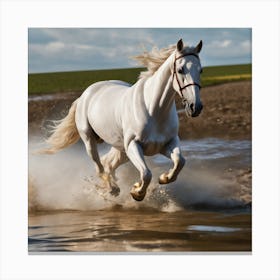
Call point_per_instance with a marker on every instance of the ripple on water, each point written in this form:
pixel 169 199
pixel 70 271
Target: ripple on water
pixel 212 228
pixel 212 148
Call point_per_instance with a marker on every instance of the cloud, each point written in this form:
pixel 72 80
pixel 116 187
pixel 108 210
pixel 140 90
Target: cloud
pixel 67 49
pixel 225 43
pixel 218 44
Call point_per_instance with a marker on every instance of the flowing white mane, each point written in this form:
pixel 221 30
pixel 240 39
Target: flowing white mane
pixel 155 58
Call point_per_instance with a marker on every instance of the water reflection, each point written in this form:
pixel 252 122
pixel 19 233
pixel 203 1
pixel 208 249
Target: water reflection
pixel 137 231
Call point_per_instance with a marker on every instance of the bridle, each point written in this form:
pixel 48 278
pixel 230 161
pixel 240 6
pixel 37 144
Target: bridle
pixel 184 101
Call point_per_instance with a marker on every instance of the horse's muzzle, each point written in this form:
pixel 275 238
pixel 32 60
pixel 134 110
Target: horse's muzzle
pixel 193 111
pixel 198 110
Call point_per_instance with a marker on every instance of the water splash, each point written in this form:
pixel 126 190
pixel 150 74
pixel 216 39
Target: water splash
pixel 67 180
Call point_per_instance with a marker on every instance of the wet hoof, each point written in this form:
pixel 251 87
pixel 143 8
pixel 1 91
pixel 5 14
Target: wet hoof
pixel 136 193
pixel 115 191
pixel 163 179
pixel 137 196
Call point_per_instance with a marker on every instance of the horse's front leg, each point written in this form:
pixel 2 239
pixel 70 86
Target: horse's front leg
pixel 172 151
pixel 135 154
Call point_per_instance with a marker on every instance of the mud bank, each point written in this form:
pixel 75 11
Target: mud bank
pixel 227 112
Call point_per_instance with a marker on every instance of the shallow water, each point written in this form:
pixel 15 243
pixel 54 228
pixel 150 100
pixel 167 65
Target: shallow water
pixel 139 231
pixel 206 209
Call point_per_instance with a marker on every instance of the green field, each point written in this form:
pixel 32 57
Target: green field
pixel 78 81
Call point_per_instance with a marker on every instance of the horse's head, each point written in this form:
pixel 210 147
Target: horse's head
pixel 186 77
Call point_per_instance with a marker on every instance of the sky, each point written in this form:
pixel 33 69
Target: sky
pixel 71 49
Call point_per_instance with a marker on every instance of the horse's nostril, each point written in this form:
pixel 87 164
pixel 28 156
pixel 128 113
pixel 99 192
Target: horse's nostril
pixel 192 107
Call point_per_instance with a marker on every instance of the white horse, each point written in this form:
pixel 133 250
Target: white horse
pixel 136 120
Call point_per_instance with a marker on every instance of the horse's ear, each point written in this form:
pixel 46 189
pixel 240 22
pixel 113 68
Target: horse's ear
pixel 198 47
pixel 180 45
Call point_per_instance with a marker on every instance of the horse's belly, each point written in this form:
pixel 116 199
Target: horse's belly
pixel 109 133
pixel 152 148
pixel 154 144
pixel 106 127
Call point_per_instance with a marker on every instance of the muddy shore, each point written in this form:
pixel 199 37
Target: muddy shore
pixel 226 113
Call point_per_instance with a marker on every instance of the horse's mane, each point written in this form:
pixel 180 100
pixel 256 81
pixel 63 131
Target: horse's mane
pixel 155 58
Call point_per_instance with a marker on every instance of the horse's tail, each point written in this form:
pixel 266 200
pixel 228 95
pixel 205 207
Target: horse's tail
pixel 64 132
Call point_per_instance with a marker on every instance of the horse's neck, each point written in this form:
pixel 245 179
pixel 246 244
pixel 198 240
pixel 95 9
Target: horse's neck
pixel 159 93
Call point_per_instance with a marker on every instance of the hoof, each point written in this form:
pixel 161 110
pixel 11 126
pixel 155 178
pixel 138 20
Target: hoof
pixel 115 191
pixel 138 195
pixel 163 179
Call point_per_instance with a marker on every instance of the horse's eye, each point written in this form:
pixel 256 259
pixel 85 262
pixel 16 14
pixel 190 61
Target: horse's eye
pixel 180 71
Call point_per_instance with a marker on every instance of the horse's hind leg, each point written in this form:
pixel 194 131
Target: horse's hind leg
pixel 172 151
pixel 90 141
pixel 111 161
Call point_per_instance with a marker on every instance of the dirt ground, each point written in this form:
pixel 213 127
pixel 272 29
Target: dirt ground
pixel 227 112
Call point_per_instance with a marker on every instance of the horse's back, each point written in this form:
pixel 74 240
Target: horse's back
pixel 103 90
pixel 118 82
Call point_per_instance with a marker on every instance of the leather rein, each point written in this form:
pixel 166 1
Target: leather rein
pixel 176 76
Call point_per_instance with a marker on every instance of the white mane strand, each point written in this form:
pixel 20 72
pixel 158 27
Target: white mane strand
pixel 155 58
